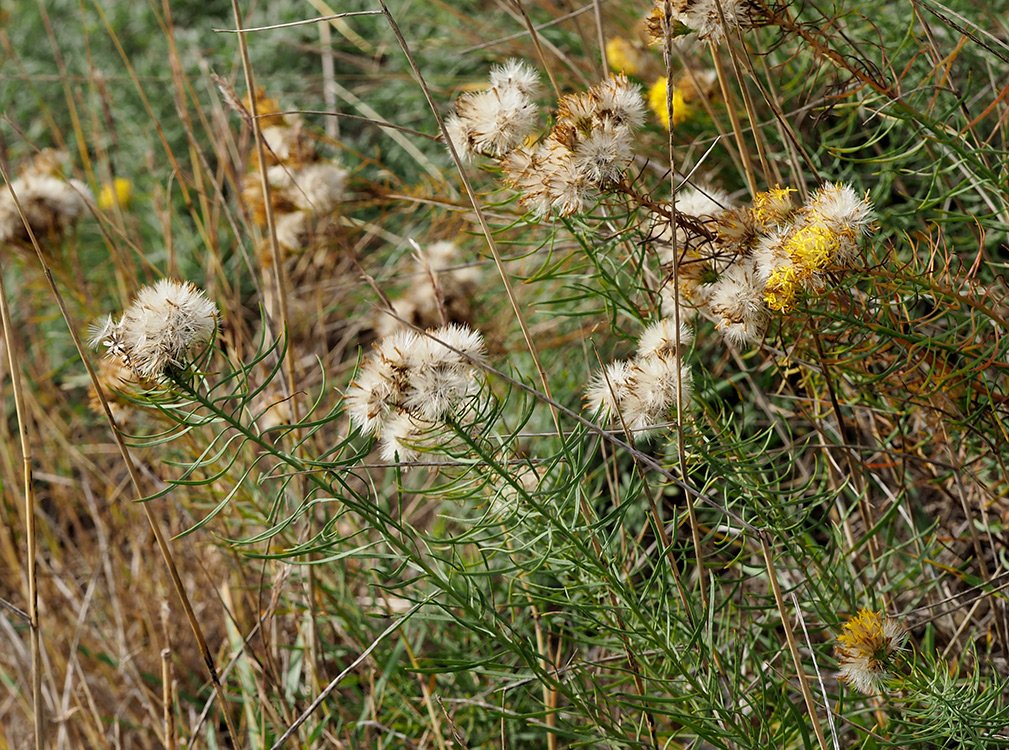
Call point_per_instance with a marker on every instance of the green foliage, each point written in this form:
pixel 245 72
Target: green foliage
pixel 941 708
pixel 537 576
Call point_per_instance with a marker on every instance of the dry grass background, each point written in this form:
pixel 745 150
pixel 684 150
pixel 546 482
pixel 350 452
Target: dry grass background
pixel 865 435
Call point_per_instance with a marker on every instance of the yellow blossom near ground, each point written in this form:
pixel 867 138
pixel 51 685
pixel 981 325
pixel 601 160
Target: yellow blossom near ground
pixel 657 101
pixel 623 57
pixel 119 192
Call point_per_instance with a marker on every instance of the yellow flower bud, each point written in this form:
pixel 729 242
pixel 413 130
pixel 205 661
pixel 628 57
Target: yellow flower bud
pixel 115 193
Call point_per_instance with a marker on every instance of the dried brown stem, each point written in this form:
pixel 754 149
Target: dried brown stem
pixel 163 546
pixel 29 507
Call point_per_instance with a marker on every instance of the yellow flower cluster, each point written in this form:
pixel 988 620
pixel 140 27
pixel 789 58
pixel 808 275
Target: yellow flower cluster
pixel 863 633
pixel 818 235
pixel 809 248
pixel 812 246
pixel 781 288
pixel 772 206
pixel 762 256
pixel 657 102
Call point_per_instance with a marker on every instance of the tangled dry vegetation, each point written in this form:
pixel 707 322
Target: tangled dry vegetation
pixel 504 374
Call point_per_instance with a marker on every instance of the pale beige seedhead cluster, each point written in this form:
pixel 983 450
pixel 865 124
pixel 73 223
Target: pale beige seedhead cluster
pixel 163 330
pixel 51 202
pixel 412 384
pixel 589 147
pixel 495 121
pixel 708 20
pixel 306 187
pixel 639 394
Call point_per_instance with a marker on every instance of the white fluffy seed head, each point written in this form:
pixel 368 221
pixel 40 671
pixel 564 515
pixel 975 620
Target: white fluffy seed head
pixel 461 135
pixel 401 351
pixel 445 258
pixel 547 178
pixel 427 377
pixel 10 221
pixel 840 208
pixel 619 102
pixel 604 154
pixel 577 110
pixel 702 202
pixel 382 382
pixel 375 391
pixel 107 332
pixel 639 394
pixel 518 167
pixel 564 186
pixel 737 300
pixel 524 172
pixel 68 198
pixel 743 332
pixel 435 392
pixel 658 381
pixel 104 332
pixel 280 177
pixel 704 17
pixel 441 375
pixel 401 436
pixel 659 339
pixel 609 389
pixel 569 191
pixel 515 74
pixel 492 122
pixel 165 326
pixel 319 188
pixel 462 338
pixel 861 674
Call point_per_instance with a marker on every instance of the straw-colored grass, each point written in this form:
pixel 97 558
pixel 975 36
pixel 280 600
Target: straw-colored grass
pixel 621 516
